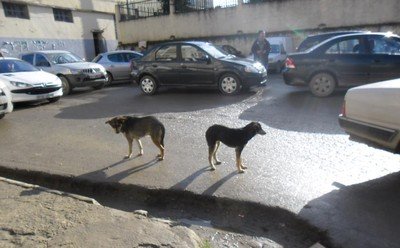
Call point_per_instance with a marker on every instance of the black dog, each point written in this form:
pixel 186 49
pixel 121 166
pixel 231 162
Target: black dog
pixel 236 138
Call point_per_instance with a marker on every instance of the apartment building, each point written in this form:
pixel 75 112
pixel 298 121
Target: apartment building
pixel 85 27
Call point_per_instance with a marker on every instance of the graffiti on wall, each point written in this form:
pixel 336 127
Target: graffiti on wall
pixel 19 46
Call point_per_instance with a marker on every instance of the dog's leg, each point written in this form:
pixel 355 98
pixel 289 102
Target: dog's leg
pixel 239 159
pixel 215 153
pixel 161 147
pixel 130 148
pixel 140 147
pixel 211 150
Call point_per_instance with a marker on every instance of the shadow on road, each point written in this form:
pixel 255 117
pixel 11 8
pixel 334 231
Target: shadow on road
pixel 125 100
pixel 299 111
pixel 361 215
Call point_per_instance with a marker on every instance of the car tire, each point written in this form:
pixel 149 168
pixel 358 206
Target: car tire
pixel 66 85
pixel 54 99
pixel 148 85
pixel 2 116
pixel 322 84
pixel 99 86
pixel 229 84
pixel 110 79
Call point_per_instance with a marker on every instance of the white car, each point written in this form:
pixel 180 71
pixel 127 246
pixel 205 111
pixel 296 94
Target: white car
pixel 372 112
pixel 27 83
pixel 6 105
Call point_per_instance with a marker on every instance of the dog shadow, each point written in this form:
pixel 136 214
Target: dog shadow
pixel 101 175
pixel 213 188
pixel 182 185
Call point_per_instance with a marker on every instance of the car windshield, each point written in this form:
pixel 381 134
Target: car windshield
pixel 275 48
pixel 63 58
pixel 213 51
pixel 11 65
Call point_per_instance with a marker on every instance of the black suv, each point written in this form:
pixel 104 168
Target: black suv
pixel 195 63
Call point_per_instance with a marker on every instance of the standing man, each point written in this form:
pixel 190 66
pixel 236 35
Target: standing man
pixel 261 49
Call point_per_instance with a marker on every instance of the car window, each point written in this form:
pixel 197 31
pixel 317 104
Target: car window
pixel 116 57
pixel 129 56
pixel 192 54
pixel 349 46
pixel 9 66
pixel 41 60
pixel 28 58
pixel 166 53
pixel 384 45
pixel 63 58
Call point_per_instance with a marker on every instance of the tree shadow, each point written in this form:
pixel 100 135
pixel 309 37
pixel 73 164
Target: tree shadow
pixel 127 99
pixel 299 111
pixel 361 215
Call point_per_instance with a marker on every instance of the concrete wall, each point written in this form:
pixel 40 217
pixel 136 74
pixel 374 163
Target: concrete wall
pixel 41 31
pixel 279 17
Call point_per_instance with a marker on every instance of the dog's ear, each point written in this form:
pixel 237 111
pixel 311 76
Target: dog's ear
pixel 108 122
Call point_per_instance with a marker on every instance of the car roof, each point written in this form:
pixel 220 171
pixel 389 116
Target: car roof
pixel 120 51
pixel 335 33
pixel 48 51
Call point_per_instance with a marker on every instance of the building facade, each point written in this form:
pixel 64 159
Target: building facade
pixel 85 27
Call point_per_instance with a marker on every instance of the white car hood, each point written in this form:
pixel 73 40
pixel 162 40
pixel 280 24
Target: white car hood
pixel 31 77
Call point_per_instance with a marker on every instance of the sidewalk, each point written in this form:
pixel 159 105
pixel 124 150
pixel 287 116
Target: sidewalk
pixel 33 216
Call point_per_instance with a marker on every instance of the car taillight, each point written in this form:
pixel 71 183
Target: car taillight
pixel 343 112
pixel 289 63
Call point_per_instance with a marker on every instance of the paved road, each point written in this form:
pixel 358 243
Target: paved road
pixel 305 163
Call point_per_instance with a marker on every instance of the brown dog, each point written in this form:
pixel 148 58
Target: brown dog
pixel 236 138
pixel 134 128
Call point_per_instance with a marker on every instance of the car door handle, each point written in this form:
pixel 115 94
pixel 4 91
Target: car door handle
pixel 154 65
pixel 331 60
pixel 183 66
pixel 377 61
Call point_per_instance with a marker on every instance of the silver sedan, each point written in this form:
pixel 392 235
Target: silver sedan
pixel 117 64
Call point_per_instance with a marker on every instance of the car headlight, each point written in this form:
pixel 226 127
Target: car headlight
pixel 20 84
pixel 250 69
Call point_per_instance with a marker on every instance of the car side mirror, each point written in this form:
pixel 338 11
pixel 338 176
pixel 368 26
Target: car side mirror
pixel 206 59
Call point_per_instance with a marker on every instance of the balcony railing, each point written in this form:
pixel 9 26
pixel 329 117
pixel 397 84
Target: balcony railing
pixel 182 6
pixel 143 9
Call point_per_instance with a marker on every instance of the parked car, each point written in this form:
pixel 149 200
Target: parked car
pixel 117 64
pixel 231 50
pixel 344 61
pixel 280 47
pixel 70 68
pixel 27 83
pixel 372 112
pixel 196 63
pixel 6 105
pixel 315 39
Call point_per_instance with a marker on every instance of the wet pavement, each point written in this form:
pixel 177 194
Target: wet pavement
pixel 305 164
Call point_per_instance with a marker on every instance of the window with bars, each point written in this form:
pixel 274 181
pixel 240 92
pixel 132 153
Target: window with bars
pixel 63 15
pixel 16 10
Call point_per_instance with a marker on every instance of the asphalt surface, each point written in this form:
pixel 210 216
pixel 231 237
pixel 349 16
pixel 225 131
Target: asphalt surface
pixel 305 164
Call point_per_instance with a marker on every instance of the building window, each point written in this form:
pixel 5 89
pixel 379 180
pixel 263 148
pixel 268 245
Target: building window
pixel 63 15
pixel 17 10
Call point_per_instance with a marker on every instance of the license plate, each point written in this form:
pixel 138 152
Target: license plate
pixel 94 76
pixel 45 96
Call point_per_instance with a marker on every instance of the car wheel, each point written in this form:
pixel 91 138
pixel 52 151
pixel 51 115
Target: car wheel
pixel 148 85
pixel 99 86
pixel 229 84
pixel 109 79
pixel 66 86
pixel 54 99
pixel 322 84
pixel 2 116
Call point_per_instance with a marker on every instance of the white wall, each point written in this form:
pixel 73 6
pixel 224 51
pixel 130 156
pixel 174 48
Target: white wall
pixel 274 16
